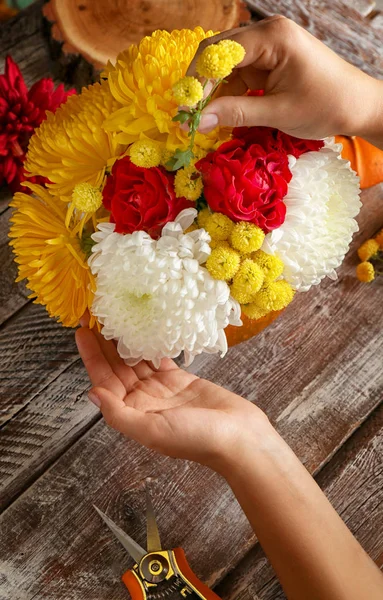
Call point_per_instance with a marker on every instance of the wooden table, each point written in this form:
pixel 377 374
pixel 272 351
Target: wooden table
pixel 317 372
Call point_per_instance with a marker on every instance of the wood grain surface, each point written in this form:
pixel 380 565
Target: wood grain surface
pixel 353 482
pixel 337 24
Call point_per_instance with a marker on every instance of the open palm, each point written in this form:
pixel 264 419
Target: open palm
pixel 168 410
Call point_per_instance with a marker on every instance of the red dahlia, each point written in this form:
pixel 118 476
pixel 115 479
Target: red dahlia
pixel 21 111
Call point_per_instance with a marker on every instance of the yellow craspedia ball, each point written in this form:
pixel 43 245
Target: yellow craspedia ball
pixel 192 227
pixel 247 281
pixel 368 249
pixel 145 153
pixel 253 311
pixel 236 51
pixel 203 217
pixel 188 91
pixel 272 266
pixel 223 263
pixel 86 197
pixel 188 183
pixel 365 272
pixel 379 239
pixel 274 296
pixel 218 226
pixel 219 244
pixel 218 60
pixel 246 237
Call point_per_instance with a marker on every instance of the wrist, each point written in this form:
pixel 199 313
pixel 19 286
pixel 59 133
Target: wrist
pixel 364 116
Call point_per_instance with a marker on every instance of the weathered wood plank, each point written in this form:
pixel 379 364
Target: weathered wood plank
pixel 13 296
pixel 336 24
pixel 353 482
pixel 316 372
pixel 34 351
pixel 364 7
pixel 33 439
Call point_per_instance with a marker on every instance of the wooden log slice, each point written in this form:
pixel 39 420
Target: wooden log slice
pixel 99 30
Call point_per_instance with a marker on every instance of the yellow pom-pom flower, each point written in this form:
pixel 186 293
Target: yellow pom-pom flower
pixel 236 51
pixel 145 153
pixel 272 266
pixel 253 311
pixel 192 227
pixel 188 91
pixel 223 263
pixel 203 217
pixel 86 197
pixel 246 237
pixel 218 226
pixel 365 272
pixel 51 256
pixel 219 244
pixel 218 60
pixel 247 281
pixel 188 183
pixel 368 249
pixel 274 296
pixel 379 239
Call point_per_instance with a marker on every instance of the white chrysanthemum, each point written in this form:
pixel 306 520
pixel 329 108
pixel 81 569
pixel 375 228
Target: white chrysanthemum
pixel 321 202
pixel 155 298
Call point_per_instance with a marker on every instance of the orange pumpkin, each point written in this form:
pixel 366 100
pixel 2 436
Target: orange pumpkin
pixel 365 159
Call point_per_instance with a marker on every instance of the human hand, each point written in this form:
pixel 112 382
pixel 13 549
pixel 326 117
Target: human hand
pixel 169 410
pixel 310 92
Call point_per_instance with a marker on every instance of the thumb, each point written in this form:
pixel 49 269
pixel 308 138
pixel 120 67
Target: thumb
pixel 240 111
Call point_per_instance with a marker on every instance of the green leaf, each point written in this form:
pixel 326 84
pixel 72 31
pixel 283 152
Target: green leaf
pixel 182 116
pixel 181 158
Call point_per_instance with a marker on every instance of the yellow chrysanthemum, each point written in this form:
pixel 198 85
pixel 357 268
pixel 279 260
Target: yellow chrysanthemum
pixel 218 226
pixel 365 272
pixel 71 146
pixel 379 239
pixel 188 91
pixel 142 82
pixel 253 311
pixel 247 282
pixel 223 263
pixel 368 249
pixel 218 60
pixel 188 183
pixel 203 217
pixel 146 153
pixel 274 296
pixel 50 256
pixel 193 227
pixel 246 237
pixel 272 266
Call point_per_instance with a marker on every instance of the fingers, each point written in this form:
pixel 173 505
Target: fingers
pixel 241 111
pixel 99 370
pixel 261 41
pixel 135 424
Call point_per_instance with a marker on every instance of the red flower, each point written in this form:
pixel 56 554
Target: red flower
pixel 141 199
pixel 21 111
pixel 247 182
pixel 278 141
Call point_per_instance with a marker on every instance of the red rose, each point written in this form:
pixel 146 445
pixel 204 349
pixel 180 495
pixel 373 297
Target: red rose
pixel 247 182
pixel 276 140
pixel 141 199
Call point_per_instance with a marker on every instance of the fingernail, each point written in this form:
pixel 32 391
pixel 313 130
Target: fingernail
pixel 95 399
pixel 208 122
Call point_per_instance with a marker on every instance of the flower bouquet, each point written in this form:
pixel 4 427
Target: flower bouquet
pixel 166 235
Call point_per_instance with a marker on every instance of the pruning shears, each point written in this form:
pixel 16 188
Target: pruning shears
pixel 157 574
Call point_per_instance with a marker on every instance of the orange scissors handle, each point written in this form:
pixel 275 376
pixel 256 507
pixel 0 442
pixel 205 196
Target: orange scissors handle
pixel 189 576
pixel 134 585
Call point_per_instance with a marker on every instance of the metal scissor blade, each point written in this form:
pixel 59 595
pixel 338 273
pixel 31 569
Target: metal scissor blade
pixel 134 549
pixel 153 536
